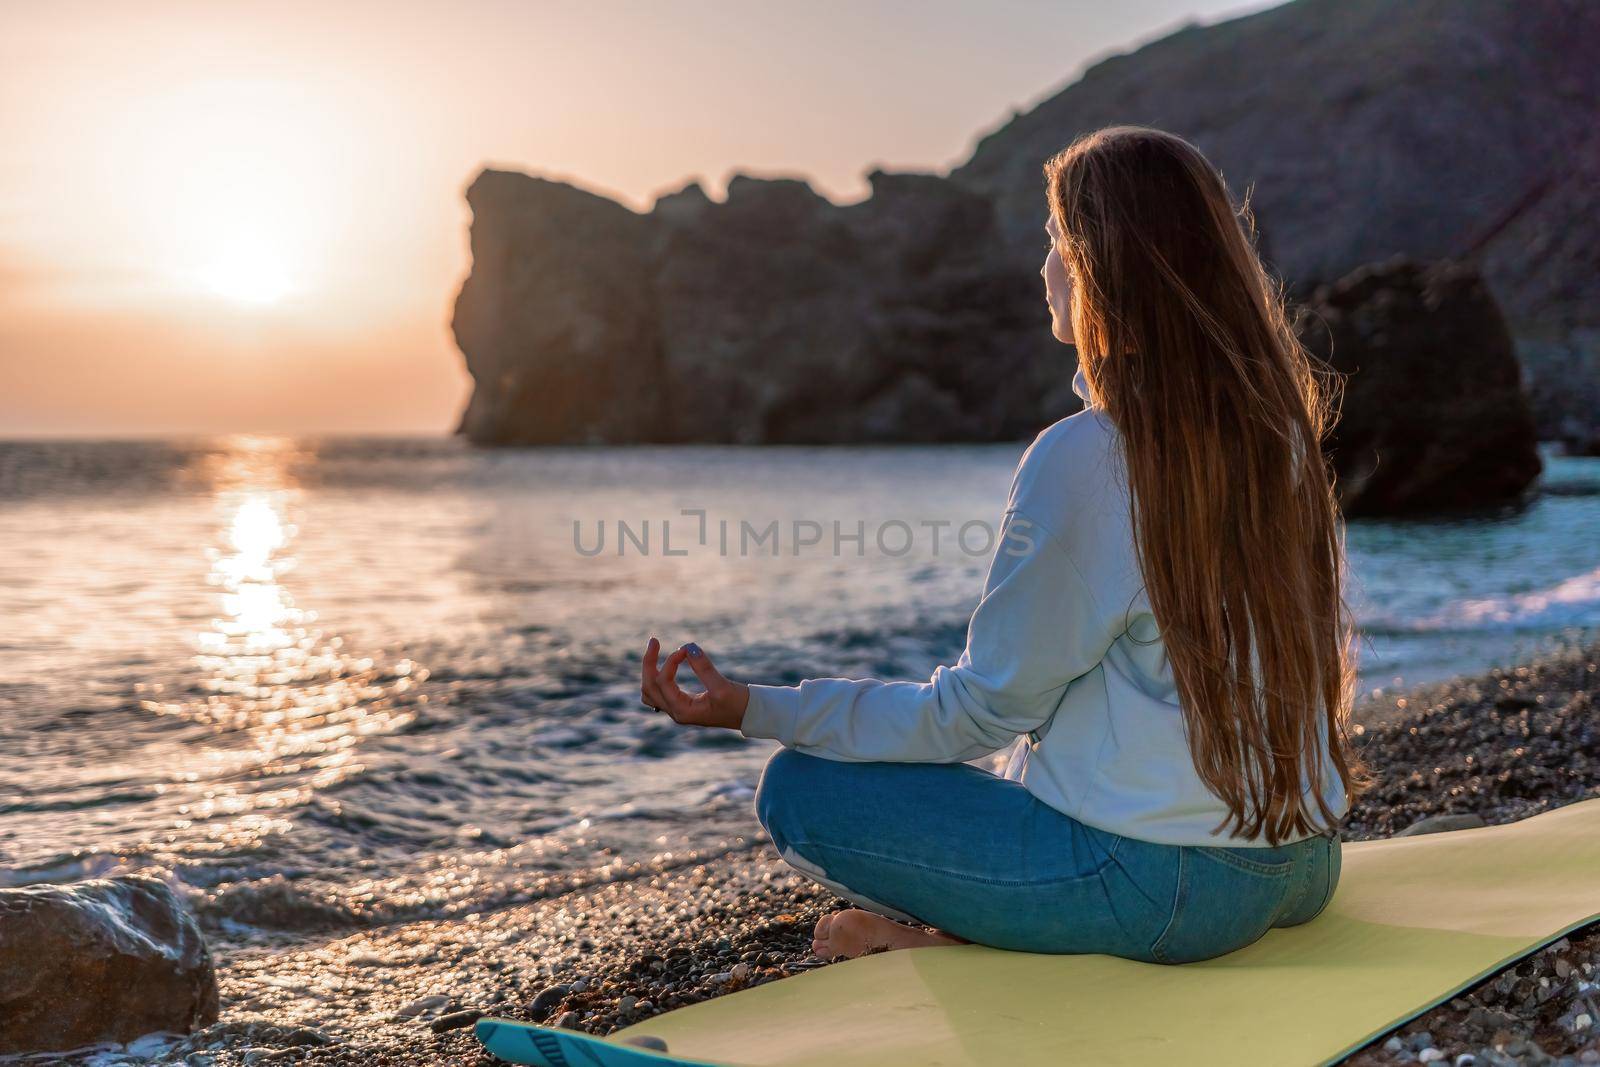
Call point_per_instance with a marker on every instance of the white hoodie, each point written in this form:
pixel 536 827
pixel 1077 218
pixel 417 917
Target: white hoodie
pixel 1063 660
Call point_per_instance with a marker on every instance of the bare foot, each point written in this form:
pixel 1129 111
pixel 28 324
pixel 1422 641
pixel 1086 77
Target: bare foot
pixel 848 934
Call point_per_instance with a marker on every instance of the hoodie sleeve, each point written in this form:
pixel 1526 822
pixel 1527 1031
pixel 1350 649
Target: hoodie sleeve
pixel 1036 629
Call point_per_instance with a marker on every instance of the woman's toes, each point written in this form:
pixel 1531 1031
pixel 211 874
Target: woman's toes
pixel 853 933
pixel 819 936
pixel 850 934
pixel 824 938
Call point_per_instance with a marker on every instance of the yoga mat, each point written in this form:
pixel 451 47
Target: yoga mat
pixel 1414 921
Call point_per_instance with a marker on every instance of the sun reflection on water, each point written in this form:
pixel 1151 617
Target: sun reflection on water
pixel 257 612
pixel 287 701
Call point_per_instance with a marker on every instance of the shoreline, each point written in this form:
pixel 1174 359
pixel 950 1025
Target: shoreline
pixel 1501 745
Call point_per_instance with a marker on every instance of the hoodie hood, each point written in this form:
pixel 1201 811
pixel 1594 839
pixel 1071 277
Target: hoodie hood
pixel 1080 385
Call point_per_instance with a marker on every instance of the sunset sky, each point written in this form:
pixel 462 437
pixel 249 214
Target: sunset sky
pixel 221 217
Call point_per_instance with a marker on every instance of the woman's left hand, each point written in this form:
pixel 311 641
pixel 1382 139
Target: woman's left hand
pixel 722 703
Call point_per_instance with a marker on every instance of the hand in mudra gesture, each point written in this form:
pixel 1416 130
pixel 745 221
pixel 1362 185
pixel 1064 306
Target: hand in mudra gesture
pixel 722 703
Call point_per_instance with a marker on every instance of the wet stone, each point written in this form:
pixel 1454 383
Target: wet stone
pixel 455 1021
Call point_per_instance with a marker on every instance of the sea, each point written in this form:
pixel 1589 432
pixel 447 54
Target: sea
pixel 318 684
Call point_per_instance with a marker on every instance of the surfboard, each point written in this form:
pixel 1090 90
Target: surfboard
pixel 549 1046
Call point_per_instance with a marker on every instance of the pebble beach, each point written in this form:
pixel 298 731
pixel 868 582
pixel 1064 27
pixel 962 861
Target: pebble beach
pixel 1497 747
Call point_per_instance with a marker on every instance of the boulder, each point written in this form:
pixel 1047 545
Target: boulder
pixel 1434 417
pixel 106 960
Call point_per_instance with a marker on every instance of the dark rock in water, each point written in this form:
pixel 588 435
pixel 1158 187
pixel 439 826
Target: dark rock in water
pixel 1434 417
pixel 1579 438
pixel 1564 387
pixel 772 317
pixel 1365 129
pixel 106 960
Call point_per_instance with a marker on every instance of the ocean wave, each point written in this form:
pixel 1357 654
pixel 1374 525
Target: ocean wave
pixel 67 867
pixel 280 905
pixel 1573 603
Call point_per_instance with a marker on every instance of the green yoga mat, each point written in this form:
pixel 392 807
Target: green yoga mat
pixel 1414 921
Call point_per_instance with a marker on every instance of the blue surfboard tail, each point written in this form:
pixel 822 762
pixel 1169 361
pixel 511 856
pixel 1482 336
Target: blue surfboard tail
pixel 543 1046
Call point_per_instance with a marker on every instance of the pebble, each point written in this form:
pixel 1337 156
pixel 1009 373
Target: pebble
pixel 1438 824
pixel 1429 1055
pixel 740 972
pixel 546 1002
pixel 569 1020
pixel 721 978
pixel 424 1005
pixel 455 1021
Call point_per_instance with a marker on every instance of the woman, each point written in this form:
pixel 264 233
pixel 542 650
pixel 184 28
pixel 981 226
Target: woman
pixel 1161 635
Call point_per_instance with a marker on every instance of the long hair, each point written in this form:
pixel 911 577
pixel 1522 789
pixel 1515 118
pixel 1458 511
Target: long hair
pixel 1184 340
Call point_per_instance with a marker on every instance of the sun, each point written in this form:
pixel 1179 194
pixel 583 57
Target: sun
pixel 248 272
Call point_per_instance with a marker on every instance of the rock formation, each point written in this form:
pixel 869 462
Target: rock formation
pixel 777 317
pixel 774 316
pixel 1434 417
pixel 1365 129
pixel 98 961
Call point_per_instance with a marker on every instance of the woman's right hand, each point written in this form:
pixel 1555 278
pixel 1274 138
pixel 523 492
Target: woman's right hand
pixel 722 704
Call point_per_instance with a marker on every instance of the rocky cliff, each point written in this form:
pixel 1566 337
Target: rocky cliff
pixel 773 316
pixel 1364 129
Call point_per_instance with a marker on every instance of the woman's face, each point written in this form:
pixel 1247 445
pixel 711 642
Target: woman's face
pixel 1057 286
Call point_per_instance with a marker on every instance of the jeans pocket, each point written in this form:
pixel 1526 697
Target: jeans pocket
pixel 1224 901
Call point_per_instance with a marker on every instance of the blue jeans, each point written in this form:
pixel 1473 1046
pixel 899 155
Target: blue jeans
pixel 976 856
